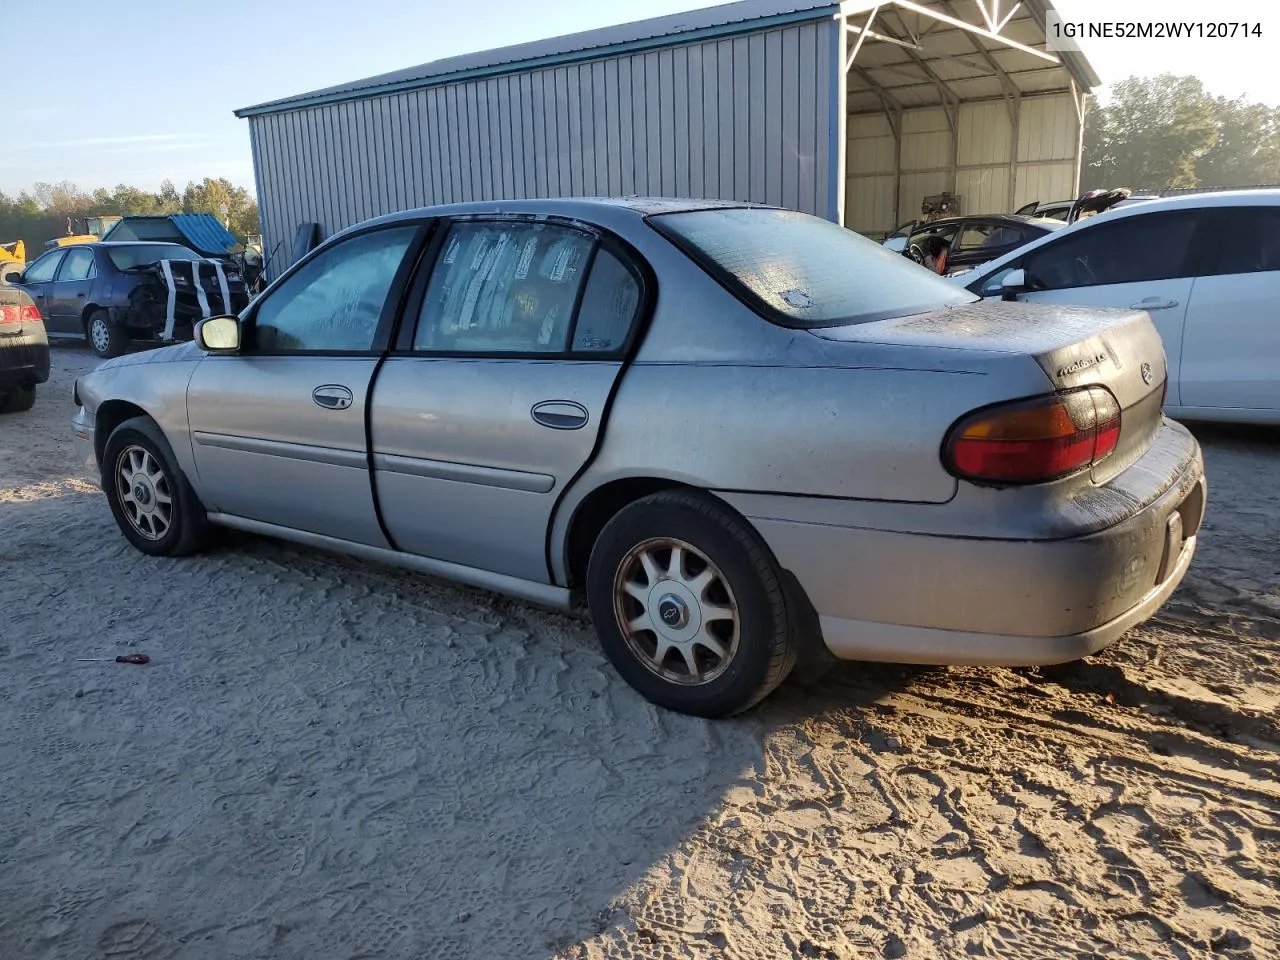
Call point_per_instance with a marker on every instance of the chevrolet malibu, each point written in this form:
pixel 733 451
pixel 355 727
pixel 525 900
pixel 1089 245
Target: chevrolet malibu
pixel 742 435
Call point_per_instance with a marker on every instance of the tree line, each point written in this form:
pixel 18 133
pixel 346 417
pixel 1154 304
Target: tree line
pixel 1167 132
pixel 47 210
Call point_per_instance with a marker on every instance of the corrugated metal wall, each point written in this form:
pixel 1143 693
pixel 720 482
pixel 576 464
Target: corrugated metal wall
pixel 990 166
pixel 746 118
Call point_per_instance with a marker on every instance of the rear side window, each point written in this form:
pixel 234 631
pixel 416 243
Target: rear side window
pixel 799 270
pixel 1250 240
pixel 77 266
pixel 504 288
pixel 1134 249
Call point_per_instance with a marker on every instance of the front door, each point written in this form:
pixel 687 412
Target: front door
pixel 497 398
pixel 278 430
pixel 68 295
pixel 1229 350
pixel 1144 262
pixel 37 279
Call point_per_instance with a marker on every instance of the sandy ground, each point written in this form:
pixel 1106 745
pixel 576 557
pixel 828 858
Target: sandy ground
pixel 332 760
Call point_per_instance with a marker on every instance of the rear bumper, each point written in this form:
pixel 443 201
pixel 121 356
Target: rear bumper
pixel 914 598
pixel 24 358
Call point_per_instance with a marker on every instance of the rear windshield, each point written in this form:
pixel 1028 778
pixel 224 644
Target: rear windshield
pixel 133 256
pixel 803 271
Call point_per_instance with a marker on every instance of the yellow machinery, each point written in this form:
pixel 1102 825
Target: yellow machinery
pixel 12 255
pixel 94 229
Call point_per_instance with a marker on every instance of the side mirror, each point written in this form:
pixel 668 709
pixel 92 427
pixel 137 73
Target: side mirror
pixel 218 335
pixel 15 277
pixel 1014 283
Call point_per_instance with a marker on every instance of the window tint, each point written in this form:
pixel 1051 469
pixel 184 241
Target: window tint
pixel 43 269
pixel 1128 250
pixel 78 265
pixel 504 288
pixel 133 255
pixel 805 270
pixel 1250 240
pixel 608 308
pixel 976 235
pixel 333 302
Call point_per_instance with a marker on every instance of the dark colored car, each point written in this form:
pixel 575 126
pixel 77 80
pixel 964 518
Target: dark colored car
pixel 24 350
pixel 112 293
pixel 975 240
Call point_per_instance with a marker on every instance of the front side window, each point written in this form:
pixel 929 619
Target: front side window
pixel 43 269
pixel 1250 241
pixel 800 270
pixel 78 265
pixel 1129 250
pixel 334 301
pixel 505 288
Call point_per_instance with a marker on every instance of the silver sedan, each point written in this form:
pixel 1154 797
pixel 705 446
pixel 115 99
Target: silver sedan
pixel 744 436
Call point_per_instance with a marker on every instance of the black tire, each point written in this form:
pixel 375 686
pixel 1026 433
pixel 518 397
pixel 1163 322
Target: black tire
pixel 105 338
pixel 17 399
pixel 187 527
pixel 766 646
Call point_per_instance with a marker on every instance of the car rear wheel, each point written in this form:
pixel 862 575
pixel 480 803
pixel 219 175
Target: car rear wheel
pixel 105 338
pixel 689 605
pixel 17 399
pixel 153 503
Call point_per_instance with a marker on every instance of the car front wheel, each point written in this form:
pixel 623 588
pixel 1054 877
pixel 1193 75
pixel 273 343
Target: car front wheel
pixel 689 605
pixel 150 498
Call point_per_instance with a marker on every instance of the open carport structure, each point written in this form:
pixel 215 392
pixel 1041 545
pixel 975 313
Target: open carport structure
pixel 855 111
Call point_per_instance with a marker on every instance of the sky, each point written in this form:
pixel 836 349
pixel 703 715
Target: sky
pixel 142 91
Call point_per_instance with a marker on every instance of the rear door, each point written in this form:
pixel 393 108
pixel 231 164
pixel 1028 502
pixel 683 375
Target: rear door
pixel 494 399
pixel 1140 262
pixel 279 430
pixel 69 293
pixel 1231 346
pixel 37 279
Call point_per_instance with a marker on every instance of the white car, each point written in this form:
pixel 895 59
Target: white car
pixel 1206 268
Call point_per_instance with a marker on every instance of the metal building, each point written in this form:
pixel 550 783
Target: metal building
pixel 855 111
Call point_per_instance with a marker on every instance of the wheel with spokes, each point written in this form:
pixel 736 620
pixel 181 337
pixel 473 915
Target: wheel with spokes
pixel 152 502
pixel 689 605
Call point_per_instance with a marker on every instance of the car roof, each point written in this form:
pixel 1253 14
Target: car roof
pixel 1189 201
pixel 130 243
pixel 1002 217
pixel 607 211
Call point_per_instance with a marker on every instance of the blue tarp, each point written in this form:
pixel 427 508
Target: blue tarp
pixel 205 232
pixel 200 231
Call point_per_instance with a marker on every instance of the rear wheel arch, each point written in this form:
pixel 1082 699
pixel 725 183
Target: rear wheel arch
pixel 599 507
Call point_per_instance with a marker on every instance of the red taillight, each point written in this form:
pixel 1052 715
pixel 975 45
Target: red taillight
pixel 17 314
pixel 1032 441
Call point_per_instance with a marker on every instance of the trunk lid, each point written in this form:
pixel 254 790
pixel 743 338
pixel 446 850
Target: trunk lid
pixel 1073 346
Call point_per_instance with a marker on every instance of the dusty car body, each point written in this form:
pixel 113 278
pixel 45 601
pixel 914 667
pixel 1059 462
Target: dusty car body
pixel 759 436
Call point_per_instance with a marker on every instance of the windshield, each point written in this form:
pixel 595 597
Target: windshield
pixel 135 255
pixel 802 271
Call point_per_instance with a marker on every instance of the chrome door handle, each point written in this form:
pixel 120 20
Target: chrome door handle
pixel 560 414
pixel 1153 303
pixel 332 396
